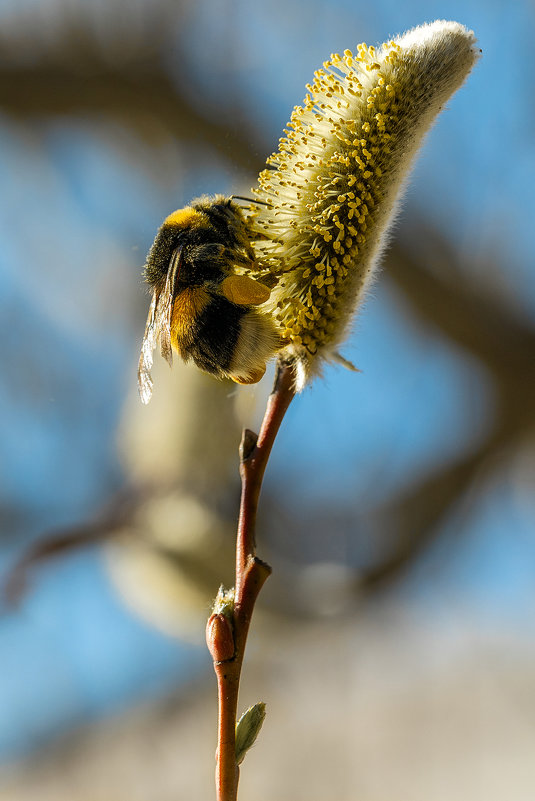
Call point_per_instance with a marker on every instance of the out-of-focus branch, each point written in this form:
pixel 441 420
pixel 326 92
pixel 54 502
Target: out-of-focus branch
pixel 444 298
pixel 413 519
pixel 504 345
pixel 490 330
pixel 55 544
pixel 134 96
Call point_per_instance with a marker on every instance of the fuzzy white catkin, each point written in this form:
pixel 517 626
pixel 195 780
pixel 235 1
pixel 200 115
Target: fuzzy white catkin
pixel 333 187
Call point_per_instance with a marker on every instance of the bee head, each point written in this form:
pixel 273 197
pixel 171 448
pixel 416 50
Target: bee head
pixel 210 234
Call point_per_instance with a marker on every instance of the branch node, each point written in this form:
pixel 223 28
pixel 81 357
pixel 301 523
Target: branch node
pixel 262 567
pixel 247 444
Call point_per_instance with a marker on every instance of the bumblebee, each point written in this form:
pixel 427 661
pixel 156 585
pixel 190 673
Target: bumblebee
pixel 202 305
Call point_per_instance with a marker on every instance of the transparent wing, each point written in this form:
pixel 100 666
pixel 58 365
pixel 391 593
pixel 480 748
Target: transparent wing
pixel 150 339
pixel 158 328
pixel 164 310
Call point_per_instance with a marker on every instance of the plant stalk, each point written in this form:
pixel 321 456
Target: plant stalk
pixel 251 573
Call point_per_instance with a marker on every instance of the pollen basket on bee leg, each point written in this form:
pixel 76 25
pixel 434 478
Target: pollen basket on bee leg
pixel 244 291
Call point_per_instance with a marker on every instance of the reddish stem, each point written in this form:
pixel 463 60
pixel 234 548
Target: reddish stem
pixel 251 573
pixel 254 455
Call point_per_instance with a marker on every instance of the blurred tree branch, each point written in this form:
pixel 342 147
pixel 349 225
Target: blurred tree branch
pixel 493 333
pixel 480 322
pixel 80 76
pixel 135 97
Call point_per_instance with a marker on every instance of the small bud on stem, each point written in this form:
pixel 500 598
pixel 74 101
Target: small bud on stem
pixel 220 638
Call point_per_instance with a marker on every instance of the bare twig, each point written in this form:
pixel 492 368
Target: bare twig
pixel 227 637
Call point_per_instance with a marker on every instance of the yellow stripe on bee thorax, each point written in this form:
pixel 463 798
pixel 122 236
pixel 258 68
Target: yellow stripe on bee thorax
pixel 187 306
pixel 185 217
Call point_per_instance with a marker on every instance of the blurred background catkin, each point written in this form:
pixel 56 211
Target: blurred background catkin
pixel 394 643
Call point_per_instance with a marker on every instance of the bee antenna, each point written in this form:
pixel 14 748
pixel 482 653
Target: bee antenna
pixel 249 200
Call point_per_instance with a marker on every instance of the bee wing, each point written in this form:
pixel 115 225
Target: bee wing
pixel 158 328
pixel 165 306
pixel 150 339
pixel 163 322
